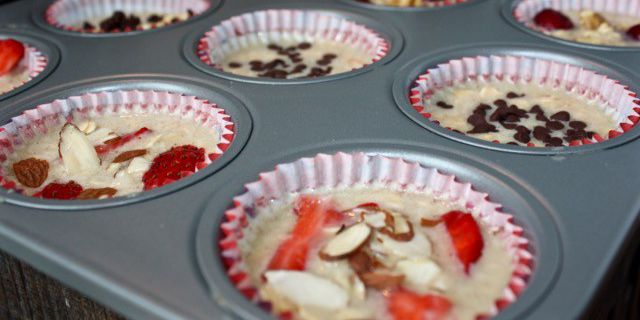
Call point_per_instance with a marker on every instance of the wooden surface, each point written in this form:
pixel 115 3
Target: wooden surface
pixel 26 293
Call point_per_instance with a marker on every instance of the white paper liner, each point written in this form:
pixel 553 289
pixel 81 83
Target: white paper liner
pixel 34 62
pixel 621 103
pixel 39 120
pixel 68 14
pixel 273 25
pixel 343 170
pixel 526 10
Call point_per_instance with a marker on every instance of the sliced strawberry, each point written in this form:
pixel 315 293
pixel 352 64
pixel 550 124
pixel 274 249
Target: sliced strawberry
pixel 11 52
pixel 173 165
pixel 116 143
pixel 553 20
pixel 62 191
pixel 634 32
pixel 313 214
pixel 466 236
pixel 406 305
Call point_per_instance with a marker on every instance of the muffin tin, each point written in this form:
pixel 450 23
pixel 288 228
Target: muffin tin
pixel 155 255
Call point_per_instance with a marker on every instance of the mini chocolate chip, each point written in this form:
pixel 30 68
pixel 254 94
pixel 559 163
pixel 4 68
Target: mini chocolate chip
pixel 276 74
pixel 561 116
pixel 522 136
pixel 88 26
pixel 273 46
pixel 190 13
pixel 235 65
pixel 500 103
pixel 480 124
pixel 291 48
pixel 444 105
pixel 536 109
pixel 298 68
pixel 555 125
pixel 323 62
pixel 175 20
pixel 482 109
pixel 554 142
pixel 541 133
pixel 304 46
pixel 513 95
pixel 154 18
pixel 542 117
pixel 577 124
pixel 329 56
pixel 509 126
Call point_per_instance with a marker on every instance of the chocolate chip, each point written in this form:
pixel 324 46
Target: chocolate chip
pixel 329 56
pixel 555 125
pixel 500 103
pixel 522 134
pixel 444 105
pixel 304 45
pixel 190 13
pixel 482 109
pixel 561 116
pixel 508 114
pixel 273 46
pixel 541 117
pixel 323 62
pixel 298 68
pixel 577 124
pixel 554 142
pixel 513 95
pixel 509 126
pixel 235 65
pixel 319 72
pixel 541 133
pixel 480 124
pixel 154 18
pixel 536 109
pixel 175 20
pixel 276 74
pixel 88 26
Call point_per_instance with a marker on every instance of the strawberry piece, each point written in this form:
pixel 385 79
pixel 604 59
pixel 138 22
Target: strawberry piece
pixel 120 141
pixel 313 214
pixel 61 191
pixel 406 305
pixel 173 165
pixel 634 32
pixel 553 20
pixel 466 236
pixel 11 52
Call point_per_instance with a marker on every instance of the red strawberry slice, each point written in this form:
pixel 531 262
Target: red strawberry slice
pixel 173 165
pixel 466 236
pixel 313 214
pixel 406 305
pixel 62 191
pixel 116 143
pixel 11 52
pixel 553 20
pixel 634 32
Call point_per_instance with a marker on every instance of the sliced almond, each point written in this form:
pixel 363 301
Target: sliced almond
pixel 346 242
pixel 402 229
pixel 306 289
pixel 89 194
pixel 419 273
pixel 377 219
pixel 429 223
pixel 382 280
pixel 87 126
pixel 361 262
pixel 128 155
pixel 138 165
pixel 77 153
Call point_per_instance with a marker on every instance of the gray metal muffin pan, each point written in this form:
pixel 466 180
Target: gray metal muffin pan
pixel 155 256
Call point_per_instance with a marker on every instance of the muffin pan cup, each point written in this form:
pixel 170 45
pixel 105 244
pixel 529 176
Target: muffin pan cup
pixel 155 256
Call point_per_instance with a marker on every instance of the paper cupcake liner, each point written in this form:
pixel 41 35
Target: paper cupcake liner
pixel 34 62
pixel 432 4
pixel 526 10
pixel 67 14
pixel 343 170
pixel 41 119
pixel 621 103
pixel 273 25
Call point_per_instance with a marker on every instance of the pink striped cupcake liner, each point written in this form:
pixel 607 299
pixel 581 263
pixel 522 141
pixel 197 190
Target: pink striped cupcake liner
pixel 431 4
pixel 621 103
pixel 526 10
pixel 70 14
pixel 273 25
pixel 345 170
pixel 33 61
pixel 41 119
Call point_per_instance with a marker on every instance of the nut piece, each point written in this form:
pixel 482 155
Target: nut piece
pixel 381 280
pixel 420 273
pixel 591 20
pixel 128 155
pixel 346 242
pixel 89 194
pixel 87 126
pixel 31 172
pixel 77 153
pixel 307 289
pixel 429 223
pixel 402 229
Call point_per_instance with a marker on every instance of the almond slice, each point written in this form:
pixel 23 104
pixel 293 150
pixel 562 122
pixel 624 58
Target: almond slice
pixel 346 242
pixel 381 280
pixel 128 155
pixel 89 194
pixel 77 153
pixel 429 223
pixel 377 219
pixel 307 289
pixel 419 273
pixel 402 229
